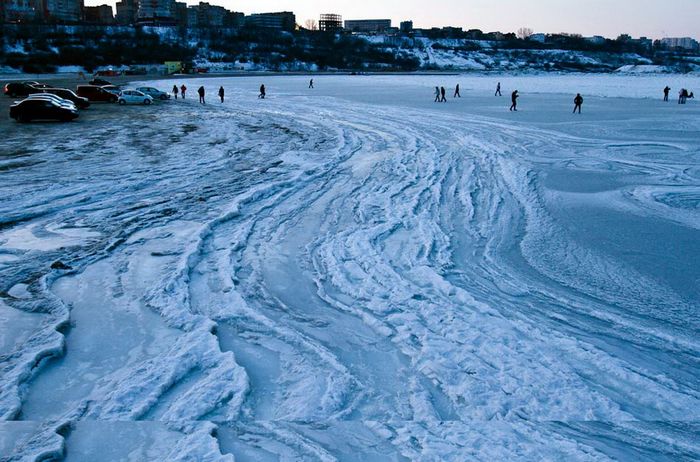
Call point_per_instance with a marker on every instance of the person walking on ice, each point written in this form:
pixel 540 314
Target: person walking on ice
pixel 514 99
pixel 221 93
pixel 666 92
pixel 442 95
pixel 457 95
pixel 175 91
pixel 578 101
pixel 262 92
pixel 437 94
pixel 183 89
pixel 498 90
pixel 311 83
pixel 200 92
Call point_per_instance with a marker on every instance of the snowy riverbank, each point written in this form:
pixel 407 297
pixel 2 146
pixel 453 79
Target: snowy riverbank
pixel 355 272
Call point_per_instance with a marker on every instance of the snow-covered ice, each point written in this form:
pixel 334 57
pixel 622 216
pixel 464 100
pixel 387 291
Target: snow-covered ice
pixel 356 273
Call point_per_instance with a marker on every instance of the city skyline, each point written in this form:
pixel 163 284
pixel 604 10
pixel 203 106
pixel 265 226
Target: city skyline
pixel 651 18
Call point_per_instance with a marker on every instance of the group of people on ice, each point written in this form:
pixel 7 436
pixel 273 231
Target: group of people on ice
pixel 440 97
pixel 683 96
pixel 182 91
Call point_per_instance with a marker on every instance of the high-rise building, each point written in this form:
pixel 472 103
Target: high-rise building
pixel 21 10
pixel 63 10
pixel 685 43
pixel 330 22
pixel 181 14
pixel 156 11
pixel 234 19
pixel 210 15
pixel 126 11
pixel 284 20
pixel 406 27
pixel 368 26
pixel 101 14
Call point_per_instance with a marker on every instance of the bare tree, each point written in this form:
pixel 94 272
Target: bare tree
pixel 311 24
pixel 524 32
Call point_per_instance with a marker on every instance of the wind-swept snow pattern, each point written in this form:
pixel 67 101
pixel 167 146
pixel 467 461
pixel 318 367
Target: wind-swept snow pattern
pixel 354 273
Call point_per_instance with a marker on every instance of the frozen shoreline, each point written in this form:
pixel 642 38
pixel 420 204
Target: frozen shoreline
pixel 422 279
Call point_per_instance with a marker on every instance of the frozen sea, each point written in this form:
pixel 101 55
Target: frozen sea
pixel 356 273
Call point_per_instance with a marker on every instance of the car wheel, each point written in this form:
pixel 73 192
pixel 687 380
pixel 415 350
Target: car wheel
pixel 122 102
pixel 146 102
pixel 24 119
pixel 163 97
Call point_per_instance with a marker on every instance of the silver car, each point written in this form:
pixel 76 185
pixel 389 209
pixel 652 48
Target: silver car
pixel 154 92
pixel 68 104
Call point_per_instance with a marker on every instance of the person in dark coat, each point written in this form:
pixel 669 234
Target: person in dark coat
pixel 578 101
pixel 175 91
pixel 200 92
pixel 514 99
pixel 183 89
pixel 221 93
pixel 262 92
pixel 498 90
pixel 442 95
pixel 311 83
pixel 457 95
pixel 437 94
pixel 667 90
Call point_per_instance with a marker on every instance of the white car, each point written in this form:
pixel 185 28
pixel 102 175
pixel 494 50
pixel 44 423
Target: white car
pixel 68 104
pixel 134 97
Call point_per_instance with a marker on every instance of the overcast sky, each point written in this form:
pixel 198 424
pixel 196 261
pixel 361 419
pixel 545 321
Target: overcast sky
pixel 651 18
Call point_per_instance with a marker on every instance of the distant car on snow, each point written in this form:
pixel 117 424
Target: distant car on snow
pixel 15 89
pixel 154 92
pixel 134 97
pixel 99 82
pixel 95 93
pixel 41 109
pixel 82 103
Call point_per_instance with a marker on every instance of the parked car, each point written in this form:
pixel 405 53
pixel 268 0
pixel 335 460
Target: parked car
pixel 154 92
pixel 134 97
pixel 41 109
pixel 99 82
pixel 57 99
pixel 95 93
pixel 15 89
pixel 82 103
pixel 115 90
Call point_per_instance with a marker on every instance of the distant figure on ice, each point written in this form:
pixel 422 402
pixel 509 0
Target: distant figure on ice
pixel 514 98
pixel 498 90
pixel 442 95
pixel 200 92
pixel 691 95
pixel 437 94
pixel 183 89
pixel 578 101
pixel 262 92
pixel 666 92
pixel 457 95
pixel 175 91
pixel 221 93
pixel 311 83
pixel 682 96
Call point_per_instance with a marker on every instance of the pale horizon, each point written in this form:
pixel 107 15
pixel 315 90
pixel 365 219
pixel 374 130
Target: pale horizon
pixel 610 18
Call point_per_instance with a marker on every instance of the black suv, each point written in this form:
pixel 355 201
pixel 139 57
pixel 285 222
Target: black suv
pixel 15 89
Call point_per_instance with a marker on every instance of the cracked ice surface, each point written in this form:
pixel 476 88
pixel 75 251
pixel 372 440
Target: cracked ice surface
pixel 356 273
